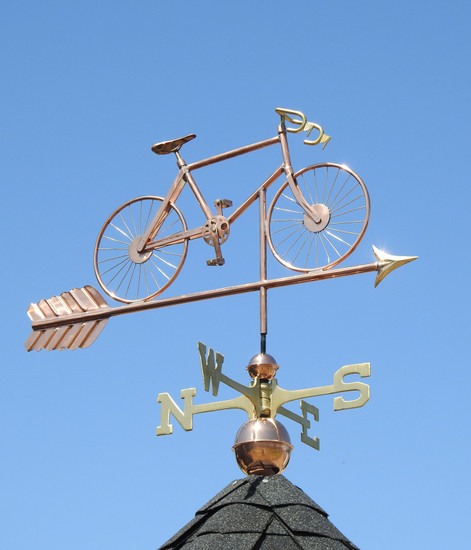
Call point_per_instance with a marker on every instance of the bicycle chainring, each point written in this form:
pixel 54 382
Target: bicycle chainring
pixel 216 228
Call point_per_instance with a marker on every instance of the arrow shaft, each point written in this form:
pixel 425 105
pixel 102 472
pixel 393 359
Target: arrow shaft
pixel 104 313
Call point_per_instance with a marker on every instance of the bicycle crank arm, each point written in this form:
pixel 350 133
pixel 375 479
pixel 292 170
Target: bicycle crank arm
pixel 174 239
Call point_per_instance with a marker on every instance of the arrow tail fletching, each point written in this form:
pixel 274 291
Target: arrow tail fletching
pixel 80 334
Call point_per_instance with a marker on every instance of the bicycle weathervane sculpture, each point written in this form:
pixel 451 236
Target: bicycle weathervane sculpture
pixel 316 219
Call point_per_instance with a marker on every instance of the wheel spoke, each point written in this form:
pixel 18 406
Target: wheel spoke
pixel 140 217
pixel 340 190
pixel 300 235
pixel 286 227
pixel 151 206
pixel 302 246
pixel 158 268
pixel 162 251
pixel 307 188
pixel 286 210
pixel 346 195
pixel 143 277
pixel 289 198
pixel 126 225
pixel 121 231
pixel 325 183
pixel 124 276
pixel 130 280
pixel 132 219
pixel 168 226
pixel 328 240
pixel 138 281
pixel 348 211
pixel 281 242
pixel 336 237
pixel 343 231
pixel 115 240
pixel 165 261
pixel 325 249
pixel 313 235
pixel 343 223
pixel 332 186
pixel 114 258
pixel 152 275
pixel 115 266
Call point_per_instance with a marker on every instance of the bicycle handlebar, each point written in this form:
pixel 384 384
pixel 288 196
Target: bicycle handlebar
pixel 303 124
pixel 284 116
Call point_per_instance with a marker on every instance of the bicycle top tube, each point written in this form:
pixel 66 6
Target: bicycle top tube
pixel 234 153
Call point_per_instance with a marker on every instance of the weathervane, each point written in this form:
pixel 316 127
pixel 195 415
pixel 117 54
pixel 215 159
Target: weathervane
pixel 317 218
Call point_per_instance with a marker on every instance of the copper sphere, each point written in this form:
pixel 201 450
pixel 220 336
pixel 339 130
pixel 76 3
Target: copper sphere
pixel 262 447
pixel 263 365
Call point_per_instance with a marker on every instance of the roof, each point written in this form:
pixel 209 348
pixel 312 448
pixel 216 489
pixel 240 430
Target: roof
pixel 260 513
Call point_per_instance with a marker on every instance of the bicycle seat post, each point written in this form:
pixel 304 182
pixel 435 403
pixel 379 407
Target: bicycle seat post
pixel 180 161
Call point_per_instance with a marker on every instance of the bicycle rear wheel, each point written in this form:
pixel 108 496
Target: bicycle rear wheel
pixel 339 207
pixel 122 272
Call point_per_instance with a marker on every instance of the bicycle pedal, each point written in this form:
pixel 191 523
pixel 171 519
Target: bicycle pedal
pixel 215 261
pixel 223 203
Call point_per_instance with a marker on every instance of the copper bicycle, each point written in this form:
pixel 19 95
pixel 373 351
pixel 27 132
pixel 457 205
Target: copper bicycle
pixel 316 219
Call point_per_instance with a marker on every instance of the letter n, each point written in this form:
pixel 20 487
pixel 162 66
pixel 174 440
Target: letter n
pixel 169 407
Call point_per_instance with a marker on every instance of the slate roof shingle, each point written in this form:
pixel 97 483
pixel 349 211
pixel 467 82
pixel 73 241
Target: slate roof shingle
pixel 260 513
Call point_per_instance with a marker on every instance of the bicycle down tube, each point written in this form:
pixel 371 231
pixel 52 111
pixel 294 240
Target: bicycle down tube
pixel 183 177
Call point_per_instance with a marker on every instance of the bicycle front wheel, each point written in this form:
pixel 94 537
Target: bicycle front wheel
pixel 339 210
pixel 127 275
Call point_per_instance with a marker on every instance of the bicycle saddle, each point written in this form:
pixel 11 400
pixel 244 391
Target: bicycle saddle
pixel 166 147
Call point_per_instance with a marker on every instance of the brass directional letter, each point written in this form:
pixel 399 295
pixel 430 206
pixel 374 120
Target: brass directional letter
pixel 364 370
pixel 169 407
pixel 308 408
pixel 211 369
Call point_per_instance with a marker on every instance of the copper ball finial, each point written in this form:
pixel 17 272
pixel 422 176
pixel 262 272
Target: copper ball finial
pixel 262 365
pixel 262 447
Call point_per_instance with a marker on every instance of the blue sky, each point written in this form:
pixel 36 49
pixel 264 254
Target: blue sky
pixel 87 90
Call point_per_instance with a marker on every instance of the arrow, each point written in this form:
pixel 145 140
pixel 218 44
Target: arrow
pixel 74 319
pixel 388 263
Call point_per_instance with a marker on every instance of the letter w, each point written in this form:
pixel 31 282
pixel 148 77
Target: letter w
pixel 212 369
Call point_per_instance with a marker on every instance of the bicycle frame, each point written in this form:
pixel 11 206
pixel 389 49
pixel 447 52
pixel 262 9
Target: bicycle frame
pixel 184 177
pixel 143 260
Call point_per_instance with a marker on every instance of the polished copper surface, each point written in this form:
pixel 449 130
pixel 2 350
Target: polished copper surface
pixel 262 447
pixel 105 312
pixel 262 366
pixel 138 257
pixel 155 255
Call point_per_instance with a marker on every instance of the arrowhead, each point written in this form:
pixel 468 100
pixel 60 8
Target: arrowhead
pixel 388 262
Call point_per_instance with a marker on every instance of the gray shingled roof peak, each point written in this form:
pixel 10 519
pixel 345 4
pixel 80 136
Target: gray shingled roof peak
pixel 260 513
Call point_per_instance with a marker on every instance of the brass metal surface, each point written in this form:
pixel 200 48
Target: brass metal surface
pixel 388 262
pixel 263 398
